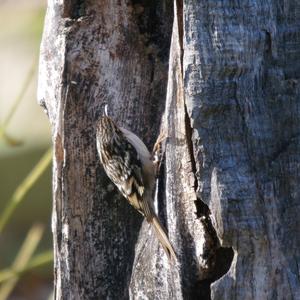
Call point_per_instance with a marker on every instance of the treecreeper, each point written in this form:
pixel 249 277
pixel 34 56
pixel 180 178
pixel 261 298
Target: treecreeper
pixel 129 165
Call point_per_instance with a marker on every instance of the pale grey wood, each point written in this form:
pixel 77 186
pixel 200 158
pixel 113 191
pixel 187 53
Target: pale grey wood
pixel 201 260
pixel 241 74
pixel 228 190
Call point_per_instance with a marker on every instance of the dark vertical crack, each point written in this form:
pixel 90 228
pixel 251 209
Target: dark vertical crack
pixel 74 9
pixel 219 258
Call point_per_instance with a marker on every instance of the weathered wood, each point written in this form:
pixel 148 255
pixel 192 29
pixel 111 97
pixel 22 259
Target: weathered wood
pixel 92 54
pixel 228 190
pixel 190 229
pixel 241 73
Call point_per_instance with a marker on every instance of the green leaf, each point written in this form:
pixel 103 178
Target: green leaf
pixel 29 246
pixel 3 135
pixel 37 261
pixel 24 187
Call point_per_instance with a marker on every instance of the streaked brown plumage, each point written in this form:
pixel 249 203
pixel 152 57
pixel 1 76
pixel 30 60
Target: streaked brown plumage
pixel 127 162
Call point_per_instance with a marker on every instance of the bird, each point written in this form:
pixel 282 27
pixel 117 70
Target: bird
pixel 127 162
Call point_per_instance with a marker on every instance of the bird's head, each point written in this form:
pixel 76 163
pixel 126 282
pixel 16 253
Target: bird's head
pixel 106 125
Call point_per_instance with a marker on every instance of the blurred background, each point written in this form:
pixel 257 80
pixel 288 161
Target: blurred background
pixel 25 159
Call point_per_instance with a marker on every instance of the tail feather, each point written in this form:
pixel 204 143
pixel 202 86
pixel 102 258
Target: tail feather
pixel 163 238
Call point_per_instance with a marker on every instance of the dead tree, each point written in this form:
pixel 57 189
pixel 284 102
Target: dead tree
pixel 221 79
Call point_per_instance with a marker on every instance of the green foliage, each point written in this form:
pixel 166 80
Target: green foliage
pixel 21 262
pixel 26 259
pixel 3 135
pixel 24 187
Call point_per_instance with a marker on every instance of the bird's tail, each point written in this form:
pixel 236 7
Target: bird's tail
pixel 163 238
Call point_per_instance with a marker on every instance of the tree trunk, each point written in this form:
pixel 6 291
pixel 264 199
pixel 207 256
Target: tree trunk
pixel 221 80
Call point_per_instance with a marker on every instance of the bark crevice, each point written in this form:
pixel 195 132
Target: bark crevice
pixel 218 258
pixel 231 170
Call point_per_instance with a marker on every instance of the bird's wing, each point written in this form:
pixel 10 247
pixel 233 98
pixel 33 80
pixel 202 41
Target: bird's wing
pixel 148 171
pixel 130 179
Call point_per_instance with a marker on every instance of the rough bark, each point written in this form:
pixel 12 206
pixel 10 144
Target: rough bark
pixel 201 260
pixel 96 53
pixel 228 190
pixel 241 76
